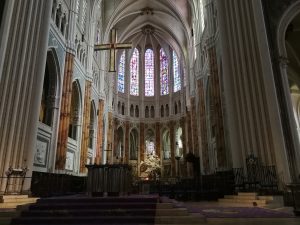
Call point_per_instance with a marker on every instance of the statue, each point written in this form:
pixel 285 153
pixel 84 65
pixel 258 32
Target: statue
pixel 150 168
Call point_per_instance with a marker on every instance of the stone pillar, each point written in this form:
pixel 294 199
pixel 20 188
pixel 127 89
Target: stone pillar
pixel 203 125
pixel 65 113
pixel 157 139
pixel 127 147
pixel 85 126
pixel 99 148
pixel 251 106
pixel 172 142
pixel 217 117
pixel 189 132
pixel 194 127
pixel 22 65
pixel 142 142
pixel 184 146
pixel 109 144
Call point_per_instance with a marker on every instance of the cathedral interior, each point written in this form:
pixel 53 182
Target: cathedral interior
pixel 176 89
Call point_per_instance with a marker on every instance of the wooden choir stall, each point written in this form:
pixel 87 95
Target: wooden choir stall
pixel 109 180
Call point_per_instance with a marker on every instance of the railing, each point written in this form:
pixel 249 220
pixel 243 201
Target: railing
pixel 50 184
pixel 260 179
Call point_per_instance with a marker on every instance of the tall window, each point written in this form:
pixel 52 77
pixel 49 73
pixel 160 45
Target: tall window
pixel 121 74
pixel 134 73
pixel 149 73
pixel 164 79
pixel 177 79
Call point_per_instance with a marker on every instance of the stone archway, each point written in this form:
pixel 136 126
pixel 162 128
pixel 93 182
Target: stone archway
pixel 49 115
pixel 289 51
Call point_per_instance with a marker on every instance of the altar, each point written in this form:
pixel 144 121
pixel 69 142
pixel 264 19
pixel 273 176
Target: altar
pixel 109 180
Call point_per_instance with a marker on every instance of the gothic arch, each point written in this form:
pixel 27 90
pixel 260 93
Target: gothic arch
pixel 166 143
pixel 51 89
pixel 76 110
pixel 133 144
pixel 286 19
pixel 119 143
pixel 289 59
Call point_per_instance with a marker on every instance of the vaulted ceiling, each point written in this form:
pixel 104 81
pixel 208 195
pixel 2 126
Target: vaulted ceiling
pixel 150 22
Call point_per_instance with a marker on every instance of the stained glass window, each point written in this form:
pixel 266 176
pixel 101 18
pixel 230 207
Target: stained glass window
pixel 121 74
pixel 149 73
pixel 134 73
pixel 164 79
pixel 177 79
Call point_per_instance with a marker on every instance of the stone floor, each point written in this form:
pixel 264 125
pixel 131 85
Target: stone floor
pixel 246 221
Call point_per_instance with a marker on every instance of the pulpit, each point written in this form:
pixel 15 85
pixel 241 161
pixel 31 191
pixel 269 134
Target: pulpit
pixel 112 180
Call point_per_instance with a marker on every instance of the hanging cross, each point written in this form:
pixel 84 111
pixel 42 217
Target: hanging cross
pixel 112 47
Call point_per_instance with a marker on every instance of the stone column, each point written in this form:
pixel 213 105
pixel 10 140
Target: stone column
pixel 217 117
pixel 157 139
pixel 142 142
pixel 65 113
pixel 99 148
pixel 127 147
pixel 172 142
pixel 194 127
pixel 85 126
pixel 22 65
pixel 252 109
pixel 203 126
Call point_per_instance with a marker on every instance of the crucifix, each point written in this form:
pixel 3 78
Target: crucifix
pixel 112 48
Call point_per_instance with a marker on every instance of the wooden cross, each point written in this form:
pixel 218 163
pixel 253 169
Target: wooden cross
pixel 112 47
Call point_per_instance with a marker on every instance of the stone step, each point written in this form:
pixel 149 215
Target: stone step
pixel 19 200
pixel 14 205
pixel 246 197
pixel 260 202
pixel 13 197
pixel 120 212
pixel 254 194
pixel 192 219
pixel 164 206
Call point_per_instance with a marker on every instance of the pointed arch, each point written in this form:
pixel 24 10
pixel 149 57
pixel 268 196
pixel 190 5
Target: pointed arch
pixel 133 144
pixel 76 108
pixel 51 88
